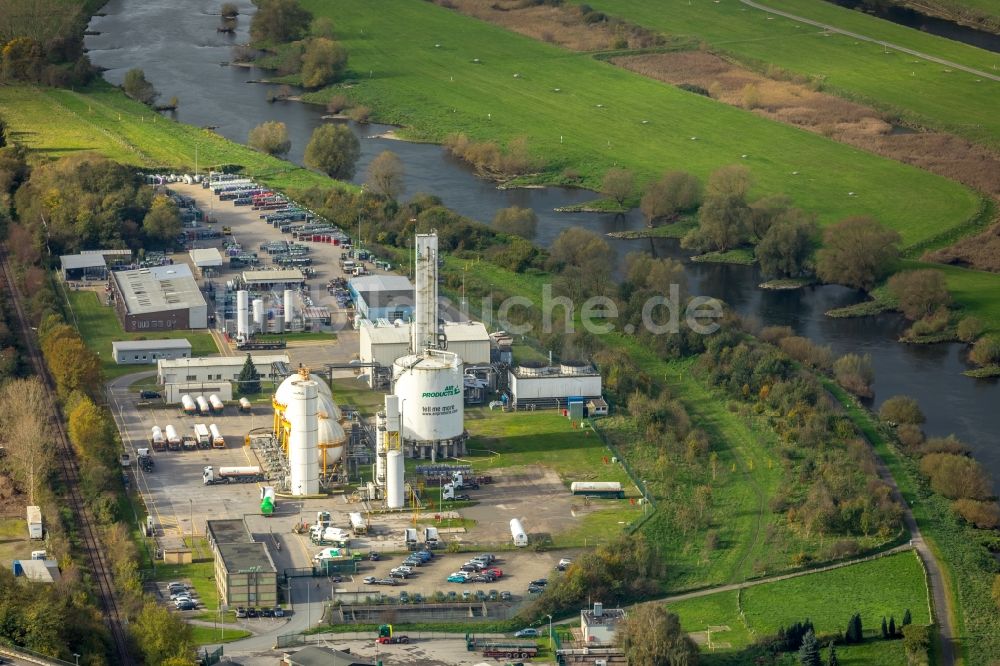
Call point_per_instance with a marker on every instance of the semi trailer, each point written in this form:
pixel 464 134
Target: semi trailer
pixel 218 441
pixel 249 474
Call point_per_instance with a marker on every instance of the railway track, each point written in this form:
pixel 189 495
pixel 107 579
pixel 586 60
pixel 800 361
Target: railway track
pixel 100 568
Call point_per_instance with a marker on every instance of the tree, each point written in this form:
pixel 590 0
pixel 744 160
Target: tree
pixel 279 21
pixel 516 221
pixel 855 374
pixel 334 150
pixel 969 328
pixel 25 435
pixel 907 618
pixel 956 477
pixel 323 62
pixel 249 380
pixel 809 652
pixel 23 59
pixel 892 626
pixel 583 259
pixel 673 193
pixel 385 175
pixel 920 292
pixel 857 252
pixel 855 632
pixel 733 180
pixel 270 137
pixel 88 429
pixel 162 223
pixel 229 10
pixel 161 635
pixel 138 88
pixel 767 210
pixel 651 635
pixel 885 628
pixel 917 644
pixel 785 247
pixel 901 409
pixel 618 184
pixel 986 351
pixel 722 223
pixel 322 27
pixel 833 661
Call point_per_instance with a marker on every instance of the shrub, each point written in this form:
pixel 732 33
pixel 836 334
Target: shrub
pixel 323 62
pixel 805 351
pixel 901 409
pixel 910 436
pixel 970 328
pixel 857 252
pixel 949 444
pixel 855 374
pixel 956 477
pixel 337 104
pixel 270 137
pixel 984 515
pixel 360 114
pixel 920 293
pixel 986 351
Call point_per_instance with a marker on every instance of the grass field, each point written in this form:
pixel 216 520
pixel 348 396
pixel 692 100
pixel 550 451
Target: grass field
pixel 210 635
pixel 201 575
pixel 59 122
pixel 595 120
pixel 885 586
pixel 99 327
pixel 921 90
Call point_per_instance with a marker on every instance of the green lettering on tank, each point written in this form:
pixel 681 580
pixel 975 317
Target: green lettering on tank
pixel 448 391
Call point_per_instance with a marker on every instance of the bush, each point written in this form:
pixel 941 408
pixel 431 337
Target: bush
pixel 970 328
pixel 920 293
pixel 279 21
pixel 270 137
pixel 805 351
pixel 334 150
pixel 956 477
pixel 360 114
pixel 855 374
pixel 857 252
pixel 949 444
pixel 910 436
pixel 337 104
pixel 323 62
pixel 901 409
pixel 984 515
pixel 138 88
pixel 986 351
pixel 516 221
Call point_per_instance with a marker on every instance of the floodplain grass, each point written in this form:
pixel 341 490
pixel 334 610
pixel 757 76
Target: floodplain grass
pixel 99 327
pixel 920 91
pixel 594 121
pixel 57 122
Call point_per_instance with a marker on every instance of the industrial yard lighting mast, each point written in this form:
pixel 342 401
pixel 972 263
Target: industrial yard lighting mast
pixel 550 631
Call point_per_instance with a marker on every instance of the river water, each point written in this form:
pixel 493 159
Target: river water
pixel 175 42
pixel 935 26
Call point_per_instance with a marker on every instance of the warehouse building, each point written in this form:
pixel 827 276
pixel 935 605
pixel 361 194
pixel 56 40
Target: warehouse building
pixel 245 574
pixel 261 281
pixel 383 342
pixel 206 260
pixel 552 387
pixel 91 264
pixel 137 352
pixel 162 298
pixel 217 368
pixel 382 297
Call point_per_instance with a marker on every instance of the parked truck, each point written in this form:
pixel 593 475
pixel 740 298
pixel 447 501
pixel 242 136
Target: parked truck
pixel 518 534
pixel 605 489
pixel 188 405
pixel 173 439
pixel 35 523
pixel 215 404
pixel 202 434
pixel 218 441
pixel 431 538
pixel 502 648
pixel 245 406
pixel 322 536
pixel 145 459
pixel 410 537
pixel 358 523
pixel 203 406
pixel 267 500
pixel 249 474
pixel 157 440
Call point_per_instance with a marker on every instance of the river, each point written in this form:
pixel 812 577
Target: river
pixel 175 42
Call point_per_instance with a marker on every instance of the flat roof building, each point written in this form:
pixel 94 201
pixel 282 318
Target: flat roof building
pixel 598 624
pixel 245 574
pixel 216 368
pixel 83 267
pixel 132 352
pixel 382 297
pixel 546 387
pixel 206 258
pixel 383 342
pixel 37 571
pixel 287 278
pixel 164 298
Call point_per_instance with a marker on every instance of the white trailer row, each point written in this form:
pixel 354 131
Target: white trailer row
pixel 202 405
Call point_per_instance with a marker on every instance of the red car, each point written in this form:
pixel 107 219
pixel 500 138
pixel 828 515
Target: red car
pixel 383 640
pixel 498 573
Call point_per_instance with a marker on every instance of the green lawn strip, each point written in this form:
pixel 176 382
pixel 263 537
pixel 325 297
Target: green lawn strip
pixel 210 635
pixel 99 327
pixel 919 90
pixel 975 292
pixel 716 611
pixel 355 392
pixel 201 575
pixel 742 255
pixel 870 653
pixel 595 120
pixel 966 565
pixel 61 122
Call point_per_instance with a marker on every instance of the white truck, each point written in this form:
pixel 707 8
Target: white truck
pixel 35 523
pixel 203 406
pixel 518 534
pixel 358 523
pixel 173 439
pixel 410 537
pixel 431 537
pixel 218 441
pixel 330 535
pixel 187 404
pixel 202 434
pixel 249 474
pixel 215 404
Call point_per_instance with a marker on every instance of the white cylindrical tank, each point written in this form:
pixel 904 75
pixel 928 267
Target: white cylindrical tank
pixel 517 533
pixel 171 434
pixel 157 435
pixel 332 437
pixel 395 496
pixel 215 403
pixel 289 308
pixel 429 387
pixel 245 405
pixel 187 402
pixel 258 315
pixel 203 406
pixel 242 314
pixel 303 459
pixel 216 434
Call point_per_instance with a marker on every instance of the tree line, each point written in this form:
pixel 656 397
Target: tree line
pixel 41 42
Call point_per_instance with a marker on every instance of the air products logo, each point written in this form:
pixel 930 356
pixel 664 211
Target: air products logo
pixel 448 391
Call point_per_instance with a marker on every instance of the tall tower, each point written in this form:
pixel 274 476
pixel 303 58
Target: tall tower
pixel 425 326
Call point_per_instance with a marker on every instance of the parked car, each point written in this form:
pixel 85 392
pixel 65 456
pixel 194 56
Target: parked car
pixel 386 581
pixel 495 572
pixel 336 579
pixel 368 580
pixel 404 597
pixel 267 612
pixel 535 589
pixel 480 595
pixel 505 596
pixel 418 598
pixel 252 612
pixel 186 606
pixel 540 582
pixel 456 579
pixel 398 574
pixel 176 585
pixel 563 563
pixel 149 395
pixel 279 611
pixel 182 599
pixel 374 557
pixel 405 569
pixel 241 612
pixel 527 632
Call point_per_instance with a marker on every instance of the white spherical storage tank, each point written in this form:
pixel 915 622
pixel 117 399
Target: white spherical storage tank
pixel 430 388
pixel 395 495
pixel 332 437
pixel 303 454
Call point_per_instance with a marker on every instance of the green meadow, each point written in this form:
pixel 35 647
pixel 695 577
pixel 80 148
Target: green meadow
pixel 419 70
pixel 920 90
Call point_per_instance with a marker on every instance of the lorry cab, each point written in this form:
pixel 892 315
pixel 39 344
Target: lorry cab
pixel 207 475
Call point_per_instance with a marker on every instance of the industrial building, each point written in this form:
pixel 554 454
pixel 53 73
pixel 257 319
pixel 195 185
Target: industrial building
pixel 132 352
pixel 548 387
pixel 245 574
pixel 37 571
pixel 217 368
pixel 383 342
pixel 206 259
pixel 90 264
pixel 162 298
pixel 288 278
pixel 598 624
pixel 382 297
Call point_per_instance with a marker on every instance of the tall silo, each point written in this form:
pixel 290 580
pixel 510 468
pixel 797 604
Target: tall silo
pixel 303 440
pixel 242 314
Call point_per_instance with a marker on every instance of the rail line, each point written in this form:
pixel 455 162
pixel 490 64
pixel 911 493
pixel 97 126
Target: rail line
pixel 99 566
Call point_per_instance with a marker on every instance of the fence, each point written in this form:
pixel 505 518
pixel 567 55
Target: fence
pixel 639 483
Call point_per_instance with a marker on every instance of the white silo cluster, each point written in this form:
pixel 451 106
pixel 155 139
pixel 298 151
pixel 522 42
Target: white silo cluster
pixel 242 315
pixel 311 434
pixel 389 465
pixel 430 381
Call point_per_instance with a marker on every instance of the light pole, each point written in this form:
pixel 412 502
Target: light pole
pixel 550 631
pixel 191 504
pixel 77 658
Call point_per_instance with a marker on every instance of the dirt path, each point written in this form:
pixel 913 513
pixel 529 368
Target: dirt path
pixel 889 45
